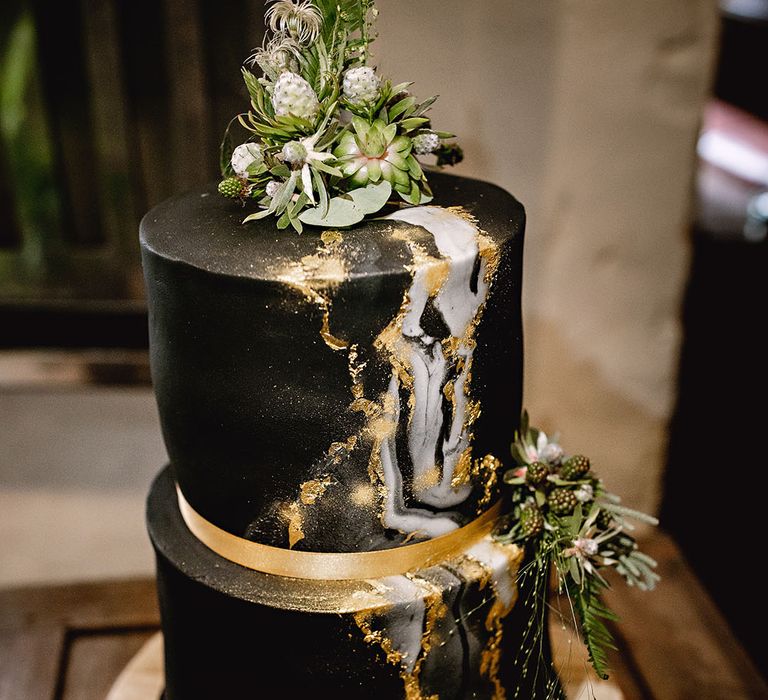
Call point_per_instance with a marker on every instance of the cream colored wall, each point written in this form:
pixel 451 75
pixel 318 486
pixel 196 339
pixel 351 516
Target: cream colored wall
pixel 587 110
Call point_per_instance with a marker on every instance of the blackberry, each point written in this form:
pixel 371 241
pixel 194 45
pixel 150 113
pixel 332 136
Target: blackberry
pixel 604 520
pixel 575 468
pixel 562 501
pixel 531 521
pixel 537 473
pixel 233 187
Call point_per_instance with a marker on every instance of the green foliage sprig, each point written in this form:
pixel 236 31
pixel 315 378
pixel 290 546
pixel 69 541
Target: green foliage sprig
pixel 330 141
pixel 568 521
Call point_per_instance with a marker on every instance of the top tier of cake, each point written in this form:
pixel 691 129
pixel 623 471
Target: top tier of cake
pixel 345 390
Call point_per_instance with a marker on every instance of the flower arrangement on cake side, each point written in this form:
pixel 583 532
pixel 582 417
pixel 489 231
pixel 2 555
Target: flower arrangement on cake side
pixel 567 520
pixel 331 140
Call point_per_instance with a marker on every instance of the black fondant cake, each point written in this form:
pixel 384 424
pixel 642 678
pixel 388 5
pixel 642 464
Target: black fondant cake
pixel 340 391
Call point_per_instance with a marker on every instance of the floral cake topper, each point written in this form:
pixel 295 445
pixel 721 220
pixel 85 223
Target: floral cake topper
pixel 330 140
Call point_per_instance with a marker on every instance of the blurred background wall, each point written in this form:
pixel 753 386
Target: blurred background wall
pixel 587 110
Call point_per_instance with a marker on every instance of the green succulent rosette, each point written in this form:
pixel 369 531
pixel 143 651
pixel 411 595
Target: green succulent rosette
pixel 328 140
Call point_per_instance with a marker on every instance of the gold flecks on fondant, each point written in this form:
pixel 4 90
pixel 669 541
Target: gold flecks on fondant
pixel 363 495
pixel 295 521
pixel 312 490
pixel 355 370
pixel 486 472
pixel 314 275
pixel 331 236
pixel 309 493
pixel 427 479
pixel 463 472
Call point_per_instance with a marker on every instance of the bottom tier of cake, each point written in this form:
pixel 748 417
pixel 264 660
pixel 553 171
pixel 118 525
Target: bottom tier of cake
pixel 452 631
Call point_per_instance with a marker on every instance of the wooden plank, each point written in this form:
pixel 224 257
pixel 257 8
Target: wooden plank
pixel 144 676
pixel 96 660
pixel 678 638
pixel 85 606
pixel 30 662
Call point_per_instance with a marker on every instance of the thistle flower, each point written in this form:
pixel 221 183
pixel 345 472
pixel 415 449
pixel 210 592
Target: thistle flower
pixel 246 155
pixel 277 56
pixel 301 20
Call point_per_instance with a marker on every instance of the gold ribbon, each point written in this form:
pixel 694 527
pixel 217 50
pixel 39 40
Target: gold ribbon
pixel 335 566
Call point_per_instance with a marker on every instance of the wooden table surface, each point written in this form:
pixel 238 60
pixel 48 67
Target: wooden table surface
pixel 71 642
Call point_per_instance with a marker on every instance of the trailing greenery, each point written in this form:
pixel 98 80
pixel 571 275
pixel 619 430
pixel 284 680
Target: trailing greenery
pixel 330 140
pixel 569 522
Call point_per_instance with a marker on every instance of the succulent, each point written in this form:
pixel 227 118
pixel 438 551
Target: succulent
pixel 361 86
pixel 292 95
pixel 375 152
pixel 575 468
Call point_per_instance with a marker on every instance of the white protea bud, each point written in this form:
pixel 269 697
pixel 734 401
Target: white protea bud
pixel 427 142
pixel 246 155
pixel 361 86
pixel 272 187
pixel 294 152
pixel 294 95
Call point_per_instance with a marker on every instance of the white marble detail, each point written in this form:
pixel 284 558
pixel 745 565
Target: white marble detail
pixel 433 446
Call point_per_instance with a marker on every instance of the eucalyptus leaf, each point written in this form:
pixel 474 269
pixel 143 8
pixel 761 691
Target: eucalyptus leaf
pixel 341 212
pixel 372 198
pixel 258 215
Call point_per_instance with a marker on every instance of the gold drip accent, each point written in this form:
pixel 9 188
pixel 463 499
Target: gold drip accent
pixel 314 489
